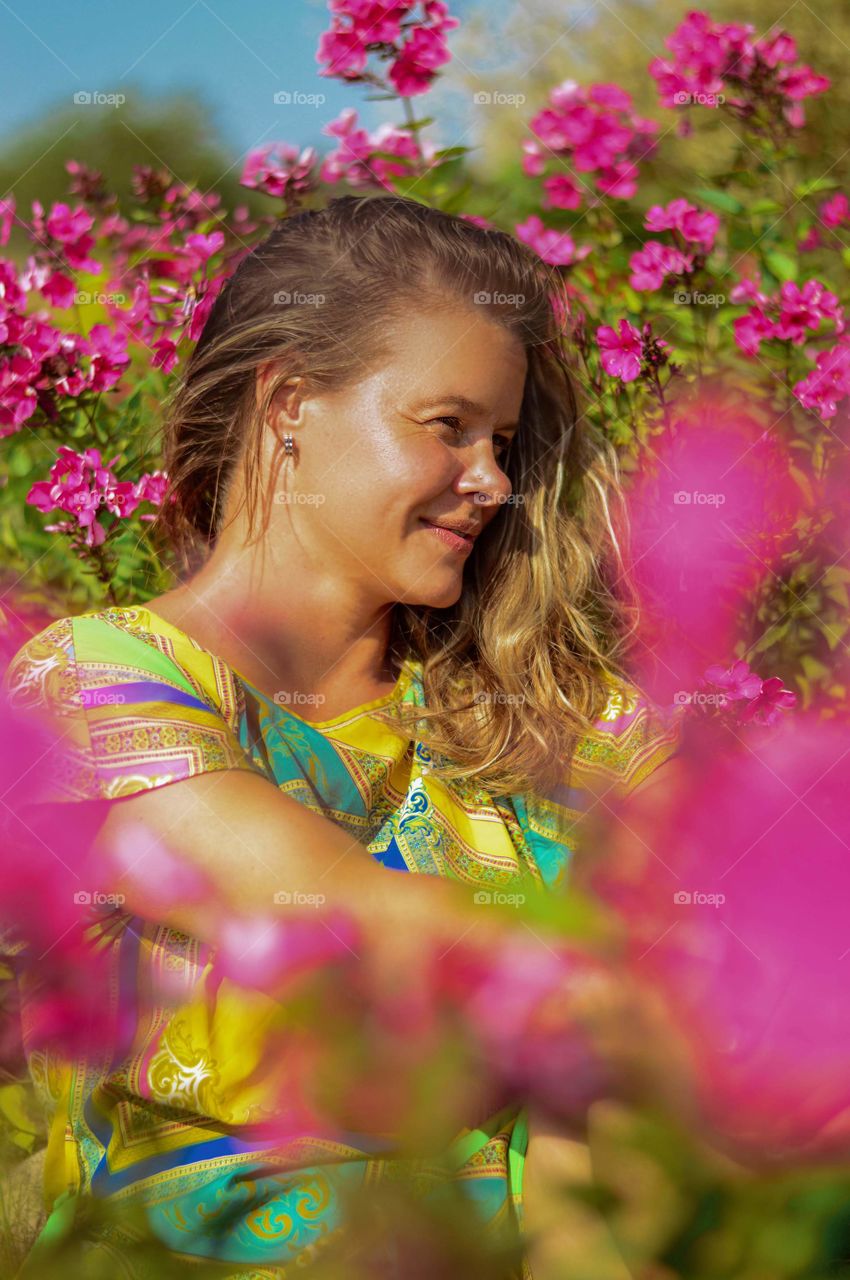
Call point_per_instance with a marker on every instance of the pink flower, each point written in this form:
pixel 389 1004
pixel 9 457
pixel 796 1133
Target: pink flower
pixel 82 485
pixel 421 55
pixel 694 224
pixel 280 169
pixel 164 355
pixel 562 192
pixel 752 329
pixel 714 62
pixel 416 49
pixel 7 217
pixel 765 708
pixel 620 352
pixel 654 262
pixel 835 210
pixel 355 160
pixel 553 246
pixel 737 681
pixel 828 382
pixel 595 129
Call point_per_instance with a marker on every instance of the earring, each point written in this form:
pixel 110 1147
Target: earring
pixel 288 447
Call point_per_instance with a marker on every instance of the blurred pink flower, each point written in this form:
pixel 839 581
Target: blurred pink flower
pixel 828 382
pixel 280 169
pixel 835 210
pixel 620 351
pixel 699 226
pixel 553 246
pixel 652 264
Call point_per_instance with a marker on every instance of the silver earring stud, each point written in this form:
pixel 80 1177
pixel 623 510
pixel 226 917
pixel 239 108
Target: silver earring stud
pixel 288 446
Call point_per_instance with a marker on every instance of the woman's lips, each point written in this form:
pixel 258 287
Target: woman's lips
pixel 457 541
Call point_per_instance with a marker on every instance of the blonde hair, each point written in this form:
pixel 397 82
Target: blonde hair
pixel 517 670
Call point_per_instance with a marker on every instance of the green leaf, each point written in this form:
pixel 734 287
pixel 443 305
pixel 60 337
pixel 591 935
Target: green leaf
pixel 719 200
pixel 782 265
pixel 764 206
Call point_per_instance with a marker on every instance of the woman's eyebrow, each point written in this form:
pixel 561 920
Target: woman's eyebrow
pixel 465 405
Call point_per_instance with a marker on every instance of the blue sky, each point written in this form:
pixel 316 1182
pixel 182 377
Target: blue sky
pixel 236 53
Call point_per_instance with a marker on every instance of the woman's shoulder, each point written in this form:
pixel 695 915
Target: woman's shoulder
pixel 630 738
pixel 98 653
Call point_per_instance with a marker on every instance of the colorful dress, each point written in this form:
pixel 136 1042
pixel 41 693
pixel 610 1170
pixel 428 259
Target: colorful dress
pixel 139 705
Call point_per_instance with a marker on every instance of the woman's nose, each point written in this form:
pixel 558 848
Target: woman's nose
pixel 486 477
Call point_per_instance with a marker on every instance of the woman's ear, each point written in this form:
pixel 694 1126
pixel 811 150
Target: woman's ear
pixel 283 410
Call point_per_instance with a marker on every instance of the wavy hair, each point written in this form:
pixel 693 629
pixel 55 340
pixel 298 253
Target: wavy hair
pixel 516 671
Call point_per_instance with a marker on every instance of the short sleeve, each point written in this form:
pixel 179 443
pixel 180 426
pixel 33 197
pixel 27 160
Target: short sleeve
pixel 631 738
pixel 123 715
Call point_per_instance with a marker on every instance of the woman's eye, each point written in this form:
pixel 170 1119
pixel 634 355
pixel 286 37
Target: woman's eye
pixel 454 423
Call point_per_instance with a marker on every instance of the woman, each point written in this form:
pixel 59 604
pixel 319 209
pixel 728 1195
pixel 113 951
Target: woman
pixel 397 635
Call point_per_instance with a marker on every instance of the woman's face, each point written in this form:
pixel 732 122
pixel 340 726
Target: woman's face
pixel 376 467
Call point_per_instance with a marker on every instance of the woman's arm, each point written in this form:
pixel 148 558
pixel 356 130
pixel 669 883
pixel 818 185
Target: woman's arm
pixel 253 842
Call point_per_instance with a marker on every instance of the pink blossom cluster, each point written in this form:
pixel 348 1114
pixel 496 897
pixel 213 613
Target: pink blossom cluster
pixel 39 364
pixel 412 36
pixel 763 699
pixel 828 383
pixel 595 129
pixel 693 225
pixel 162 264
pixel 694 231
pixel 83 486
pixel 625 350
pixel 280 169
pixel 361 158
pixel 557 247
pixel 832 213
pixel 714 63
pixel 790 316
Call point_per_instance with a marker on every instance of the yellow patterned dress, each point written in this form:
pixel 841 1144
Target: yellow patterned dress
pixel 139 704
